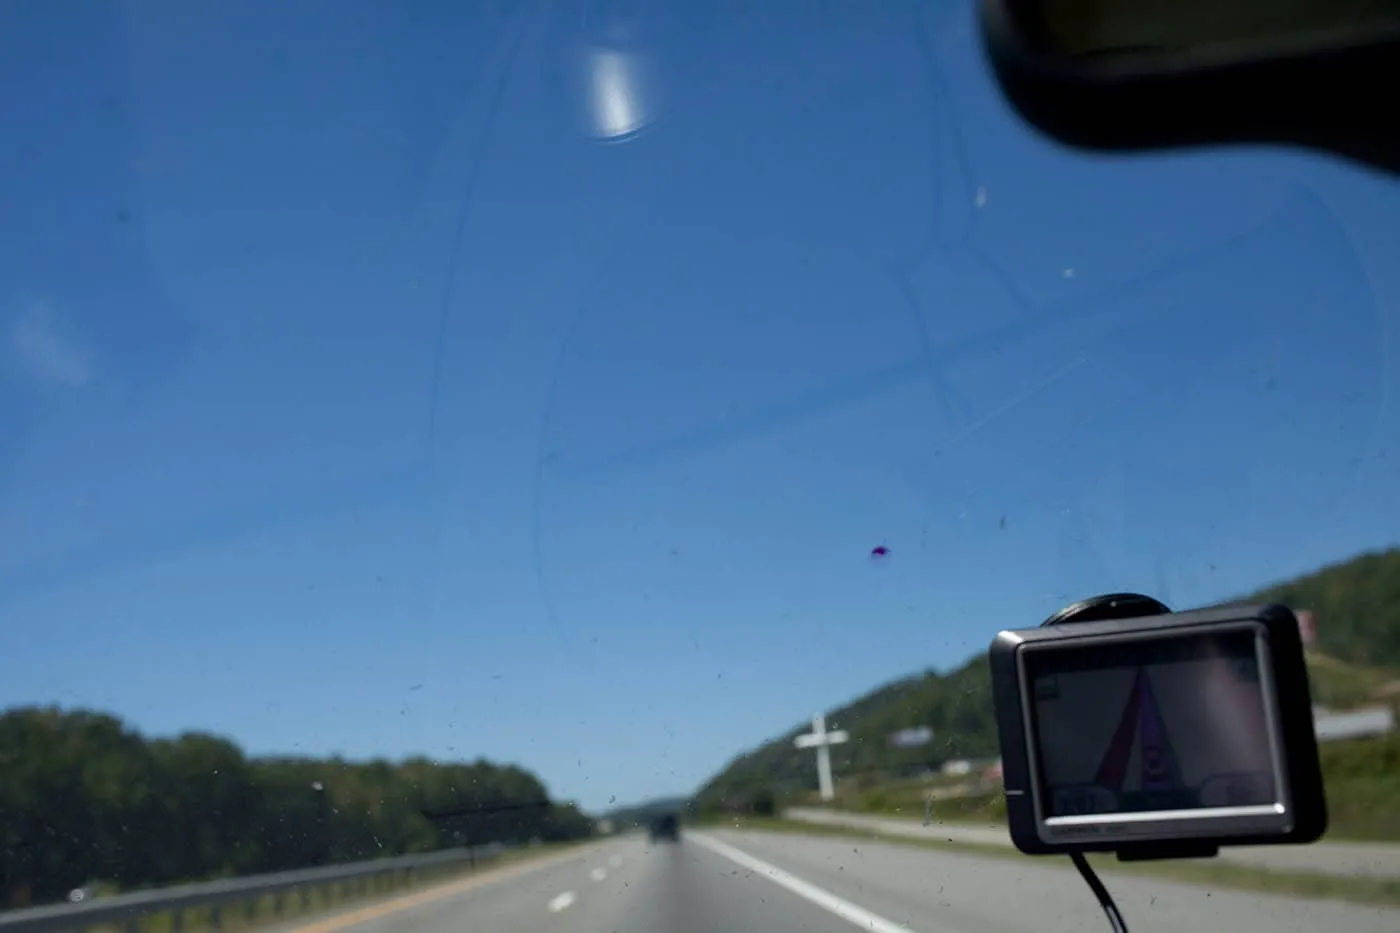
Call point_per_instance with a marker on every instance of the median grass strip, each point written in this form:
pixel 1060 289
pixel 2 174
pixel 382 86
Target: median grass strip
pixel 1214 873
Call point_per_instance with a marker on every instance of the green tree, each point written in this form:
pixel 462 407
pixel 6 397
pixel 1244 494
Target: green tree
pixel 84 798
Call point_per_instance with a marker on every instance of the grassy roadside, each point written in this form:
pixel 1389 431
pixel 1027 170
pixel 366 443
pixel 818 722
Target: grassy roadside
pixel 1362 778
pixel 1213 874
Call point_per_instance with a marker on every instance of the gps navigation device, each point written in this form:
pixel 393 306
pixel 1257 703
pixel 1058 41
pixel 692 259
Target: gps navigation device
pixel 1157 734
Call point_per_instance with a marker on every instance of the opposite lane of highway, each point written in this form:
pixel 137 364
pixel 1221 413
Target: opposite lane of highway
pixel 722 881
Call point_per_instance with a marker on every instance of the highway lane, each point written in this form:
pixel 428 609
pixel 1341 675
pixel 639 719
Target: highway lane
pixel 727 881
pixel 625 885
pixel 931 890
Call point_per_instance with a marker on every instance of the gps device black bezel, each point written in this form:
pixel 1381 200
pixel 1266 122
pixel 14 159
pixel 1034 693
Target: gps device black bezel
pixel 1132 615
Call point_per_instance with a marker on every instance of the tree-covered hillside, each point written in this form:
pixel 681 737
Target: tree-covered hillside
pixel 956 705
pixel 1356 603
pixel 85 799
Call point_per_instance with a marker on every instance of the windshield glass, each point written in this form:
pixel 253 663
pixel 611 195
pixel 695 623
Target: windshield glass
pixel 489 433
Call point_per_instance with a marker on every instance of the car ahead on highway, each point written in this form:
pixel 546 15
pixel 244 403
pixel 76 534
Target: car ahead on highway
pixel 664 828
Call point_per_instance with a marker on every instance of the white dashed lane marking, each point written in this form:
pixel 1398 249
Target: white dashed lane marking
pixel 854 914
pixel 561 902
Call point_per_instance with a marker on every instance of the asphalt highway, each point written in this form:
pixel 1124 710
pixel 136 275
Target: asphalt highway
pixel 729 881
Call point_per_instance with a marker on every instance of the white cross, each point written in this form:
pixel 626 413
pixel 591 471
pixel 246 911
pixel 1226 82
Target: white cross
pixel 822 741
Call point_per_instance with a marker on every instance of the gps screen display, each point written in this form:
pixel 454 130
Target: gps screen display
pixel 1171 723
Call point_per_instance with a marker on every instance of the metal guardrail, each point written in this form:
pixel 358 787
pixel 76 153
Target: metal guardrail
pixel 128 910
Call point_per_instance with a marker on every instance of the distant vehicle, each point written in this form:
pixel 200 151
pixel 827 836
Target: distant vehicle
pixel 665 828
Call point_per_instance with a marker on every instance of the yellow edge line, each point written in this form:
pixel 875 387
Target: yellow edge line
pixel 427 896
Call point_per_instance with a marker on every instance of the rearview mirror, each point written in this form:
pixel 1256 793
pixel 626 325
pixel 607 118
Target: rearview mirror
pixel 1153 74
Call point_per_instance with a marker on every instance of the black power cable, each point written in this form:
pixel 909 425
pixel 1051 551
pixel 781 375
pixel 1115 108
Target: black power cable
pixel 1086 871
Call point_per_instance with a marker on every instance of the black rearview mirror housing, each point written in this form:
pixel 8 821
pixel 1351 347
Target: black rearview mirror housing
pixel 1139 75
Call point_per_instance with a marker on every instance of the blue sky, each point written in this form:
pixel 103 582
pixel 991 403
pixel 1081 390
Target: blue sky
pixel 533 381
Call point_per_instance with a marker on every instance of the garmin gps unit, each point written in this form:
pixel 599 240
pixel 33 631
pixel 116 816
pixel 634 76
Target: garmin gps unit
pixel 1158 734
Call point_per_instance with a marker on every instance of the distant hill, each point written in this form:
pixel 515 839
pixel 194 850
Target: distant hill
pixel 1356 603
pixel 957 705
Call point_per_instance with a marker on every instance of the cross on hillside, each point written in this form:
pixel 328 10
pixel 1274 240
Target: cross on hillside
pixel 822 741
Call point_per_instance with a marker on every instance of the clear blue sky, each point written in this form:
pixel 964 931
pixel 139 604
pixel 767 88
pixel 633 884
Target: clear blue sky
pixel 392 378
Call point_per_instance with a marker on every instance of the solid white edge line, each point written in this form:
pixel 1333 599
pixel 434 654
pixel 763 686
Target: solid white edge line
pixel 851 913
pixel 561 901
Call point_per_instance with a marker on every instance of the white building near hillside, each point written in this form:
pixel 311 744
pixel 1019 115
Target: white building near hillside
pixel 1353 724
